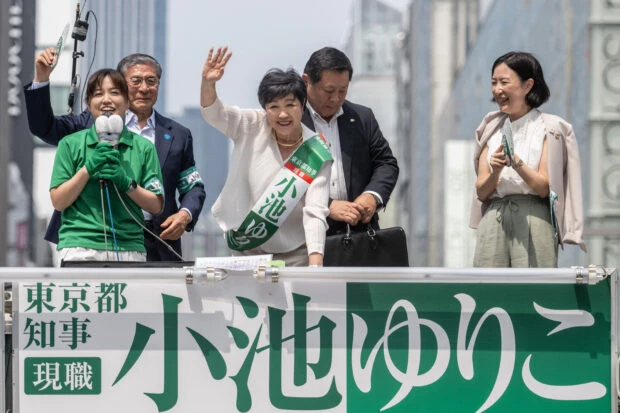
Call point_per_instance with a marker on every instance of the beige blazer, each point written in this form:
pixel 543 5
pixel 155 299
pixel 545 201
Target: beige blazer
pixel 564 174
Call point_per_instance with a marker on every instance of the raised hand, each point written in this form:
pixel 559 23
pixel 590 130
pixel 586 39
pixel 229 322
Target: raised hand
pixel 213 69
pixel 43 64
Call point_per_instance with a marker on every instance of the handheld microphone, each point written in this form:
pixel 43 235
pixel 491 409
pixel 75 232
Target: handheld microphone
pixel 109 128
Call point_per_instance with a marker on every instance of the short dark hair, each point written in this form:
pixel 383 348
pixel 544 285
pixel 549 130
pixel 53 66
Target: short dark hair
pixel 139 59
pixel 327 58
pixel 278 83
pixel 527 67
pixel 96 79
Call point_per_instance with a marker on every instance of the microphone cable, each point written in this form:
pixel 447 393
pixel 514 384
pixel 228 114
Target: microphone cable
pixel 105 230
pixel 145 228
pixel 102 184
pixel 107 193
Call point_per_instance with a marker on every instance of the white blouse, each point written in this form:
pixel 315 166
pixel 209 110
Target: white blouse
pixel 254 163
pixel 528 134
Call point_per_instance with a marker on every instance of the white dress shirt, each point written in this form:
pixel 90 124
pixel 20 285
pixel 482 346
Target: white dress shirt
pixel 337 184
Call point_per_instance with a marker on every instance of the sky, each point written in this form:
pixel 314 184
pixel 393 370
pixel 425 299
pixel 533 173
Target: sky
pixel 262 34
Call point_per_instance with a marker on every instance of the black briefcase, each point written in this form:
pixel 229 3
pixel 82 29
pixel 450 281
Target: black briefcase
pixel 371 248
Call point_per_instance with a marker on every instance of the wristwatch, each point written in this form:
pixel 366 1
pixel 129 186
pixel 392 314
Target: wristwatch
pixel 132 186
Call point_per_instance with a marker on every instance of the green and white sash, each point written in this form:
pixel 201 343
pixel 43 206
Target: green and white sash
pixel 281 196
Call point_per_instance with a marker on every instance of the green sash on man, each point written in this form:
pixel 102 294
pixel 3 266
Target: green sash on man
pixel 281 196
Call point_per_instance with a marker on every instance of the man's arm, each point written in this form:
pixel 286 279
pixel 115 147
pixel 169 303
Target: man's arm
pixel 383 163
pixel 41 119
pixel 192 192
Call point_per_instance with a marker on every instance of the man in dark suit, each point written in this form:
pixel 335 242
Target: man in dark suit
pixel 172 140
pixel 364 171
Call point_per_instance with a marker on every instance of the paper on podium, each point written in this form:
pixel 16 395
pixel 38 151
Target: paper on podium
pixel 240 263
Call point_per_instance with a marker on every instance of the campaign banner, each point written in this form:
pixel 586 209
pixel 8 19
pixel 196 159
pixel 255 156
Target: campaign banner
pixel 242 346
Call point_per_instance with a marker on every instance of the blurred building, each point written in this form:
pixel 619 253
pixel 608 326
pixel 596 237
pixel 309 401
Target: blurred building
pixel 16 147
pixel 371 46
pixel 444 66
pixel 211 154
pixel 118 28
pixel 436 40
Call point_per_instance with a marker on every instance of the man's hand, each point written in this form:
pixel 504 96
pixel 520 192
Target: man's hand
pixel 369 205
pixel 43 64
pixel 345 211
pixel 175 225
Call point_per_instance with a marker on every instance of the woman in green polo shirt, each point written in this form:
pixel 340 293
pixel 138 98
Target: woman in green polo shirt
pixel 102 189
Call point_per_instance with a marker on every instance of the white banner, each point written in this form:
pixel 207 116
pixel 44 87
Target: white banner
pixel 63 328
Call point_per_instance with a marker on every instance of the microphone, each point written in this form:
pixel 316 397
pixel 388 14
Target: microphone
pixel 116 128
pixel 109 128
pixel 80 29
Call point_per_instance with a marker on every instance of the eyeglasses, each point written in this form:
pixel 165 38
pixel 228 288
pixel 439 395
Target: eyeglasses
pixel 151 81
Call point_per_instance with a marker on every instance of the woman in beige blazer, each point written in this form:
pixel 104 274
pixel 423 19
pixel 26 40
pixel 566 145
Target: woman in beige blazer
pixel 528 189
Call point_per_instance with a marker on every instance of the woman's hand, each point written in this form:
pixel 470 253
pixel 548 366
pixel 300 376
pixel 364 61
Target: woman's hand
pixel 498 159
pixel 488 176
pixel 213 69
pixel 315 259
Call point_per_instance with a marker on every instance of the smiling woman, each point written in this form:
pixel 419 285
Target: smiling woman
pixel 83 167
pixel 278 178
pixel 528 190
pixel 283 96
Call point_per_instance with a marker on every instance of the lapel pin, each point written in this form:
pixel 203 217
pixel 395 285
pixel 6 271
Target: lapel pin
pixel 167 137
pixel 352 120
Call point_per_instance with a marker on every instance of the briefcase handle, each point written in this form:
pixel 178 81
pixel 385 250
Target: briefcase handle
pixel 369 230
pixel 347 240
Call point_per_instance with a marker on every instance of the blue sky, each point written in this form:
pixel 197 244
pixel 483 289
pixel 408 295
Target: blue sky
pixel 261 34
